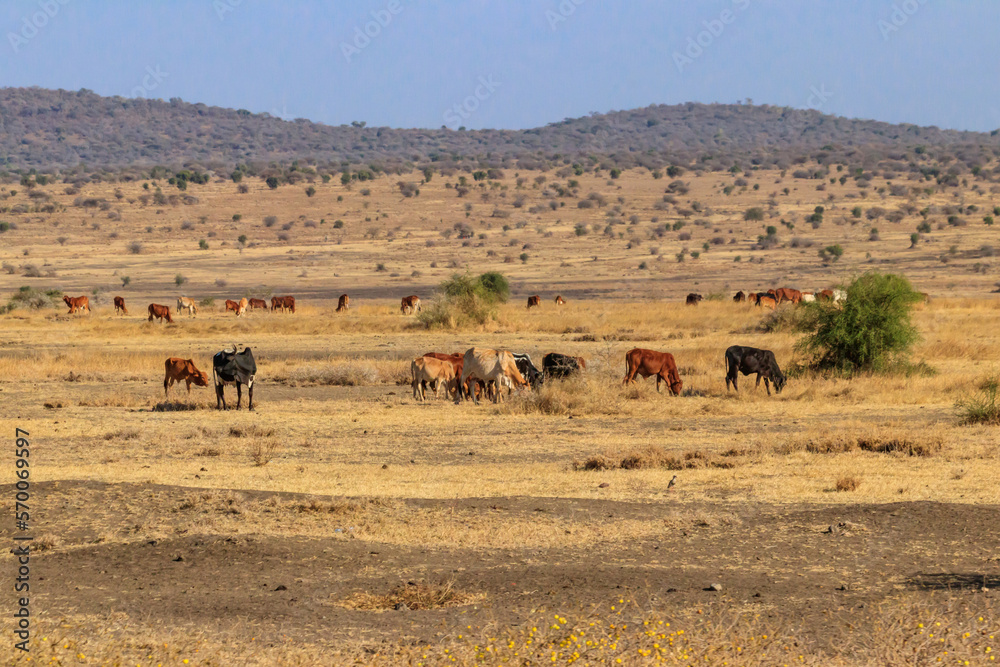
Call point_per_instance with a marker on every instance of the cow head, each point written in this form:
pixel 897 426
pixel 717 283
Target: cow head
pixel 199 378
pixel 675 382
pixel 67 300
pixel 778 378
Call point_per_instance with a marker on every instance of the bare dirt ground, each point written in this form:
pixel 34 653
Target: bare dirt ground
pixel 167 531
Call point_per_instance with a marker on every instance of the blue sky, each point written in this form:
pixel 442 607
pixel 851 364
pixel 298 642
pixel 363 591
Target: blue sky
pixel 516 63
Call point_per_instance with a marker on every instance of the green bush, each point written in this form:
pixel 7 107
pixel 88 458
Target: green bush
pixel 982 407
pixel 754 214
pixel 466 300
pixel 32 298
pixel 869 332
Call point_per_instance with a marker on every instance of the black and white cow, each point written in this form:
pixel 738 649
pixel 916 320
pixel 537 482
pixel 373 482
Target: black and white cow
pixel 232 368
pixel 747 360
pixel 528 370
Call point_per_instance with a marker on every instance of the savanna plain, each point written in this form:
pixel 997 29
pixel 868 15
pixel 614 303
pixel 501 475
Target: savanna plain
pixel 844 521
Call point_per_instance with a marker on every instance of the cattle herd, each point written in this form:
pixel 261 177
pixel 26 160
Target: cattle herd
pixel 479 371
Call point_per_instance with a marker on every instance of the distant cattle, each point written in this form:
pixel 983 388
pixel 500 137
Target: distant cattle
pixel 232 368
pixel 528 370
pixel 178 370
pixel 787 294
pixel 754 298
pixel 283 303
pixel 120 306
pixel 824 295
pixel 649 362
pixel 747 360
pixel 739 297
pixel 492 367
pixel 560 301
pixel 425 370
pixel 233 306
pixel 808 297
pixel 767 300
pixel 534 301
pixel 409 304
pixel 344 304
pixel 557 365
pixel 242 309
pixel 77 303
pixel 159 312
pixel 184 303
pixel 693 299
pixel 258 304
pixel 839 296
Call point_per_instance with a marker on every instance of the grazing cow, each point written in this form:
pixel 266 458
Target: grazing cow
pixel 560 301
pixel 457 361
pixel 839 296
pixel 258 304
pixel 434 371
pixel 649 362
pixel 766 300
pixel 230 367
pixel 233 306
pixel 747 360
pixel 528 370
pixel 178 369
pixel 739 297
pixel 534 300
pixel 561 365
pixel 159 312
pixel 184 303
pixel 824 295
pixel 491 366
pixel 693 299
pixel 409 304
pixel 283 302
pixel 808 297
pixel 77 303
pixel 344 304
pixel 752 297
pixel 242 309
pixel 120 306
pixel 788 294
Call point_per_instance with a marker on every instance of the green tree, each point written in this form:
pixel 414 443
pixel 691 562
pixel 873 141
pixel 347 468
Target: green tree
pixel 870 331
pixel 310 191
pixel 203 244
pixel 179 280
pixel 754 214
pixel 272 182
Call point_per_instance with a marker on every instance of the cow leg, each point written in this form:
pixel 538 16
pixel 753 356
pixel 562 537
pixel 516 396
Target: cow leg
pixel 249 397
pixel 165 385
pixel 220 398
pixel 767 386
pixel 757 386
pixel 239 394
pixel 416 389
pixel 189 387
pixel 658 378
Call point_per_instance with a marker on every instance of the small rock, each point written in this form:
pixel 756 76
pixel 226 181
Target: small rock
pixel 756 595
pixel 842 587
pixel 716 587
pixel 281 587
pixel 204 470
pixel 401 606
pixel 472 453
pixel 179 559
pixel 384 466
pixel 603 485
pixel 671 590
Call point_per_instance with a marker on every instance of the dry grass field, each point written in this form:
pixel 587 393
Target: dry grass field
pixel 845 521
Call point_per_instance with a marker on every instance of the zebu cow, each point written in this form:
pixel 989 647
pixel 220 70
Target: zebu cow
pixel 766 300
pixel 184 303
pixel 528 370
pixel 649 362
pixel 77 303
pixel 409 304
pixel 560 301
pixel 242 309
pixel 258 304
pixel 178 370
pixel 747 360
pixel 534 300
pixel 344 303
pixel 120 306
pixel 160 312
pixel 788 294
pixel 434 371
pixel 739 297
pixel 230 367
pixel 233 306
pixel 283 302
pixel 491 366
pixel 557 365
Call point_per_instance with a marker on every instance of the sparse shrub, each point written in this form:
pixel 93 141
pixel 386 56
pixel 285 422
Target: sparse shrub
pixel 982 407
pixel 310 191
pixel 848 483
pixel 203 244
pixel 179 280
pixel 754 214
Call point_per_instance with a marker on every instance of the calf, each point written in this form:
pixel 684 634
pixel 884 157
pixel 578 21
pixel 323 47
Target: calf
pixel 747 360
pixel 434 371
pixel 77 303
pixel 120 306
pixel 178 370
pixel 649 362
pixel 159 312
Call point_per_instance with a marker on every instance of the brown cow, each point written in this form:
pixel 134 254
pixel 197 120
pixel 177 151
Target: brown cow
pixel 767 301
pixel 788 294
pixel 534 301
pixel 283 302
pixel 243 307
pixel 76 303
pixel 693 299
pixel 560 301
pixel 233 306
pixel 257 304
pixel 754 298
pixel 434 371
pixel 739 297
pixel 158 311
pixel 409 304
pixel 120 306
pixel 824 295
pixel 649 362
pixel 344 304
pixel 178 369
pixel 457 361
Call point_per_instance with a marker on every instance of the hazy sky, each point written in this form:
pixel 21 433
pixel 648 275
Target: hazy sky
pixel 517 63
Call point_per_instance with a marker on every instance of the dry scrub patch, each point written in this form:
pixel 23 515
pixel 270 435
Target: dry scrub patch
pixel 413 597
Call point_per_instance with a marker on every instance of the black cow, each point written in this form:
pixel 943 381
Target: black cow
pixel 749 360
pixel 561 365
pixel 693 299
pixel 230 367
pixel 528 370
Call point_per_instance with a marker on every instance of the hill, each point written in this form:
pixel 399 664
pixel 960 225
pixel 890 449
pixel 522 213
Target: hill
pixel 57 129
